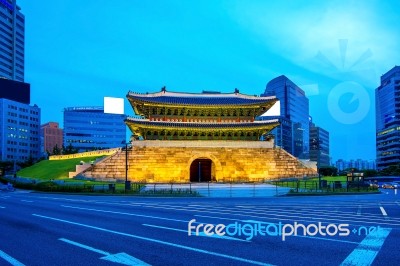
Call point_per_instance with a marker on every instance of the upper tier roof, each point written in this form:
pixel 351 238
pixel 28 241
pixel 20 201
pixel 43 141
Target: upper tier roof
pixel 209 99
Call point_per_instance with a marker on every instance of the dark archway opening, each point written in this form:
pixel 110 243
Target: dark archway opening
pixel 200 170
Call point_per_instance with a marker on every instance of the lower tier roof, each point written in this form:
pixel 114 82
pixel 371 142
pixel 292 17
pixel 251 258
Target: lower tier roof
pixel 136 124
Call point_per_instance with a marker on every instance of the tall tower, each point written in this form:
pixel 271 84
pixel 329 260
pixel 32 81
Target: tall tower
pixel 12 41
pixel 387 101
pixel 319 145
pixel 292 134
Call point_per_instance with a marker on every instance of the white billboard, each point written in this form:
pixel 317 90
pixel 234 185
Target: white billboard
pixel 113 105
pixel 275 110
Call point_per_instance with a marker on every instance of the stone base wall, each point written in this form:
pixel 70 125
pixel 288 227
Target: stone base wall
pixel 154 162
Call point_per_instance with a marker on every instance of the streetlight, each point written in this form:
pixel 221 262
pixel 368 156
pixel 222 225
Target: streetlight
pixel 317 147
pixel 127 184
pixel 199 172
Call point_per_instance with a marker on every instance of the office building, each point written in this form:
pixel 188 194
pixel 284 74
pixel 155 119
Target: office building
pixel 358 164
pixel 52 136
pixel 19 123
pixel 387 102
pixel 293 132
pixel 89 128
pixel 319 145
pixel 12 41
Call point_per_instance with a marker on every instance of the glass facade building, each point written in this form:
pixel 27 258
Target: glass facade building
pixel 387 102
pixel 319 146
pixel 293 132
pixel 89 128
pixel 19 131
pixel 12 41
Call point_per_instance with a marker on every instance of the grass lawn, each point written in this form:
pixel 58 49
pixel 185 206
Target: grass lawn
pixel 331 178
pixel 54 169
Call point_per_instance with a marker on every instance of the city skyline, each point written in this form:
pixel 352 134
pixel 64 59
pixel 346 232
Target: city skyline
pixel 79 52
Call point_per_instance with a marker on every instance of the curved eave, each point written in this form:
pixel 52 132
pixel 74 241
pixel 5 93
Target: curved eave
pixel 138 104
pixel 249 104
pixel 201 95
pixel 135 124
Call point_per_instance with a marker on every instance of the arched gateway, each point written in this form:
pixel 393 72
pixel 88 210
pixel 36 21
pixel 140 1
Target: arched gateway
pixel 201 170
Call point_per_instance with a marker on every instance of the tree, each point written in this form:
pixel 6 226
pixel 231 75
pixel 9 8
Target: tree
pixel 392 170
pixel 328 171
pixel 370 172
pixel 56 150
pixel 69 149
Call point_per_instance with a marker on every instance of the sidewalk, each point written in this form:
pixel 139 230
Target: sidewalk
pixel 225 190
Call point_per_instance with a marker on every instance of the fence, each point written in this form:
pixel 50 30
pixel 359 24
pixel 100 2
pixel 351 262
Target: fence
pixel 304 186
pixel 263 188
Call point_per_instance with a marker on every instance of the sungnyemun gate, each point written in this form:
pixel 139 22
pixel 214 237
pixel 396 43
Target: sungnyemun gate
pixel 188 137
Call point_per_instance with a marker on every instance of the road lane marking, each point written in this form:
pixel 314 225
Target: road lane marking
pixel 359 210
pixel 368 249
pixel 200 234
pixel 26 200
pixel 84 246
pixel 121 258
pixel 154 240
pixel 10 259
pixel 383 211
pixel 1 207
pixel 297 217
pixel 279 213
pixel 126 213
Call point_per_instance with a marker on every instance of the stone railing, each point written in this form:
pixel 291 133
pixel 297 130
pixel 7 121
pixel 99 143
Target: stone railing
pixel 84 154
pixel 203 143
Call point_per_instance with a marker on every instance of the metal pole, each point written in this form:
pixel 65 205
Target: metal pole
pixel 199 172
pixel 318 166
pixel 126 165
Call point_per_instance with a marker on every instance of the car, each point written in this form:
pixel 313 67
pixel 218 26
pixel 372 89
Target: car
pixel 374 185
pixel 391 185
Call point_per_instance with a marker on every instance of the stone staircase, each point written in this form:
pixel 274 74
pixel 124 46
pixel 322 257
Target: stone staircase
pixel 147 163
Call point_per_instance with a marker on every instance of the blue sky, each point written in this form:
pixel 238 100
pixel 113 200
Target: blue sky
pixel 77 52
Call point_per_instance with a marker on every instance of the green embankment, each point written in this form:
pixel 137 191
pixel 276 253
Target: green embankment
pixel 331 178
pixel 54 169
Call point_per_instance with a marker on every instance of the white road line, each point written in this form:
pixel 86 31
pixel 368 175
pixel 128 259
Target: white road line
pixel 194 233
pixel 126 213
pixel 26 200
pixel 155 241
pixel 121 258
pixel 84 246
pixel 289 217
pixel 368 249
pixel 10 259
pixel 1 207
pixel 383 211
pixel 359 210
pixel 273 212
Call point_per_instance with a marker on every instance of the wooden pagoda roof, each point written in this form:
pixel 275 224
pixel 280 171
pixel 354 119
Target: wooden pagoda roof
pixel 160 125
pixel 199 99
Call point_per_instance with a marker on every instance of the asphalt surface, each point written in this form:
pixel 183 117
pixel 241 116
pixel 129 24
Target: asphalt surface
pixel 58 229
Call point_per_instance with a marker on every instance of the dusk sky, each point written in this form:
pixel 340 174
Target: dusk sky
pixel 77 52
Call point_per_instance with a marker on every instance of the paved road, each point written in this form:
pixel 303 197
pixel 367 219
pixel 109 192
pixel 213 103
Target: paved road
pixel 56 229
